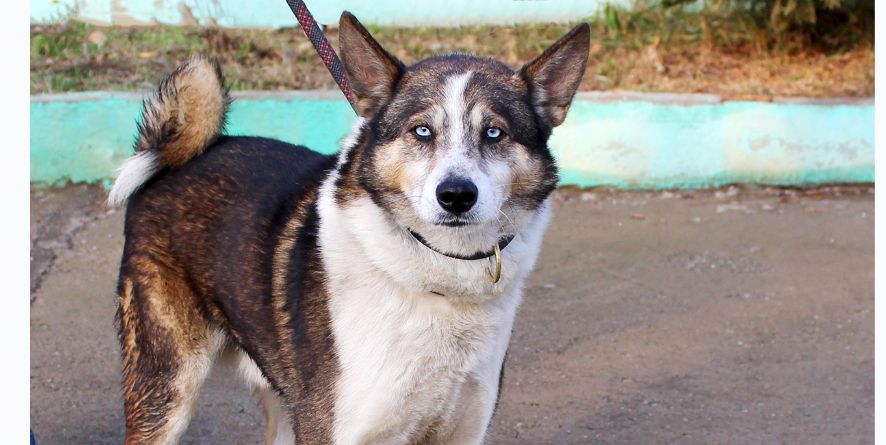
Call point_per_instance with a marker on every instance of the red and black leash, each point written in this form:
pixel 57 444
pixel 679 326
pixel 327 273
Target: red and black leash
pixel 324 49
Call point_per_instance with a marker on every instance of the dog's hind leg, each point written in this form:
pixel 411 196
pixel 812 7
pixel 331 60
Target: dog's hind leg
pixel 168 351
pixel 279 429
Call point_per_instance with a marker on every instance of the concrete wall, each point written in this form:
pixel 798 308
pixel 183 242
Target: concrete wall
pixel 275 13
pixel 629 141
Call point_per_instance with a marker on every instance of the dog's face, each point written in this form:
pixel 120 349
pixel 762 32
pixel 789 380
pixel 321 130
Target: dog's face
pixel 457 143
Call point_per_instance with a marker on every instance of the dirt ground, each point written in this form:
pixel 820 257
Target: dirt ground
pixel 735 316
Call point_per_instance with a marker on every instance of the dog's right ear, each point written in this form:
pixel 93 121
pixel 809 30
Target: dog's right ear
pixel 372 71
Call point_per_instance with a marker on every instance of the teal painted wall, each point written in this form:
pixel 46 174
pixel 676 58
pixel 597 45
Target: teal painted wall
pixel 275 13
pixel 82 141
pixel 84 137
pixel 640 144
pixel 646 142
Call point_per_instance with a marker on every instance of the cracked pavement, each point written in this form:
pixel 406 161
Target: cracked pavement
pixel 733 316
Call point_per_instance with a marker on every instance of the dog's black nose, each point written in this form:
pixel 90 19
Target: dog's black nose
pixel 456 195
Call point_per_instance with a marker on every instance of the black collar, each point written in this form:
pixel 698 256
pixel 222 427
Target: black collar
pixel 502 243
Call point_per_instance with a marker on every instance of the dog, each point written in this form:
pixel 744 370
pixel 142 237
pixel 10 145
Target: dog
pixel 366 297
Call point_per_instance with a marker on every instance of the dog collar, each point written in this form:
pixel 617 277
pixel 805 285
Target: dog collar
pixel 496 252
pixel 502 243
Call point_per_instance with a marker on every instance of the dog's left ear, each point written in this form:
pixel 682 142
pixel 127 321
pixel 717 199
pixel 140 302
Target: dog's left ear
pixel 555 75
pixel 372 71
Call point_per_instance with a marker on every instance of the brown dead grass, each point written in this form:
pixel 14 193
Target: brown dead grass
pixel 80 57
pixel 733 75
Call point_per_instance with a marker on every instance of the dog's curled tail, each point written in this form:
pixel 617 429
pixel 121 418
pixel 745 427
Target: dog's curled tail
pixel 179 121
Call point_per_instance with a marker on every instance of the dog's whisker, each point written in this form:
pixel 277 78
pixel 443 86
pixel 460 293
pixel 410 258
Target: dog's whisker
pixel 511 222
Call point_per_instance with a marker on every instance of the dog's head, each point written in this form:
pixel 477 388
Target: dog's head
pixel 455 146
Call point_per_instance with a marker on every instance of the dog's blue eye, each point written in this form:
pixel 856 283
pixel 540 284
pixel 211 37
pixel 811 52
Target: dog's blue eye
pixel 422 132
pixel 493 133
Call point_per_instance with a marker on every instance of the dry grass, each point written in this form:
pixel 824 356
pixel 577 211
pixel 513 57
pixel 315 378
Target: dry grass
pixel 79 57
pixel 734 75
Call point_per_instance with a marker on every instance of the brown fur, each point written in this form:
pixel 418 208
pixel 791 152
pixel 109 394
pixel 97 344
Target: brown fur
pixel 192 269
pixel 556 74
pixel 372 71
pixel 186 113
pixel 162 334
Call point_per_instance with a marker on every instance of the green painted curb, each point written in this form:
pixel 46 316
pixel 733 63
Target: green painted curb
pixel 631 141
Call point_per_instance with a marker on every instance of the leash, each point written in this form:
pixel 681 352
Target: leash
pixel 323 48
pixel 335 67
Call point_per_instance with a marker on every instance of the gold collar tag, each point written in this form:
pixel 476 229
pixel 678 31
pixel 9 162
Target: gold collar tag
pixel 494 278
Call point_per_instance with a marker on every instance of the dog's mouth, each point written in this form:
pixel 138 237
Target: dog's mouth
pixel 455 222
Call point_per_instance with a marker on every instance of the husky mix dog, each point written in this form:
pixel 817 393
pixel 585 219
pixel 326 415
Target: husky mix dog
pixel 368 297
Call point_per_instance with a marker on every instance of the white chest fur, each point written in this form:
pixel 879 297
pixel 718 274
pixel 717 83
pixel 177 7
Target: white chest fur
pixel 414 363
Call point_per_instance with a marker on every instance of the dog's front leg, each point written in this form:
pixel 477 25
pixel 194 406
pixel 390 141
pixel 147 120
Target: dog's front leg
pixel 475 413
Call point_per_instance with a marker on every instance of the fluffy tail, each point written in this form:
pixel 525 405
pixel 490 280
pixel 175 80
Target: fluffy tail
pixel 183 117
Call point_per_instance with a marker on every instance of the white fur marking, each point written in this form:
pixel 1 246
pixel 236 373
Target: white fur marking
pixel 193 373
pixel 454 105
pixel 279 429
pixel 132 175
pixel 350 140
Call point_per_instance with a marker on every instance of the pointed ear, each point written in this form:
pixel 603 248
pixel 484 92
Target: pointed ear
pixel 372 71
pixel 555 75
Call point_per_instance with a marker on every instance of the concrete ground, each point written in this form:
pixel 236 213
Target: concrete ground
pixel 733 316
